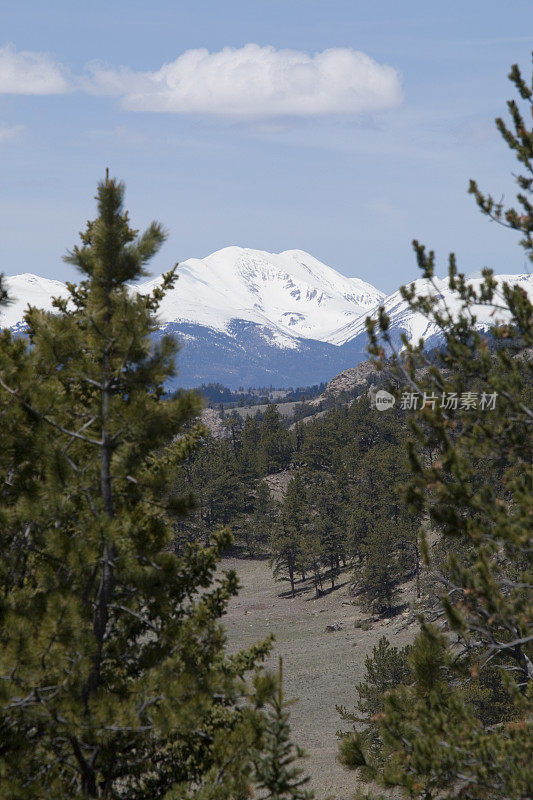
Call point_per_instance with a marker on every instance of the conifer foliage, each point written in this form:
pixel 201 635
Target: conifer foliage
pixel 336 503
pixel 286 537
pixel 277 775
pixel 114 679
pixel 440 739
pixel 385 669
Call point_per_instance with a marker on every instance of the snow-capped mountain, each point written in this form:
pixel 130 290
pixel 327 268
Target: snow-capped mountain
pixel 291 293
pixel 28 290
pixel 416 326
pixel 248 317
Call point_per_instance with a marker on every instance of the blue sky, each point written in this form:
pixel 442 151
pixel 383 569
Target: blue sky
pixel 370 159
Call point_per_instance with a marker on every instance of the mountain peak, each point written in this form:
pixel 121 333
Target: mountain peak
pixel 291 292
pixel 26 290
pixel 247 316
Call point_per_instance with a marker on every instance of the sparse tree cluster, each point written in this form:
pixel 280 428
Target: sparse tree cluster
pixel 342 506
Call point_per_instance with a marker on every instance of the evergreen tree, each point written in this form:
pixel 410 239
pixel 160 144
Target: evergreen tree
pixel 309 556
pixel 385 669
pixel 286 538
pixel 248 454
pixel 221 497
pixel 353 466
pixel 115 683
pixel 328 523
pixel 379 575
pixel 258 527
pixel 439 743
pixel 223 493
pixel 275 444
pixel 382 531
pixel 276 773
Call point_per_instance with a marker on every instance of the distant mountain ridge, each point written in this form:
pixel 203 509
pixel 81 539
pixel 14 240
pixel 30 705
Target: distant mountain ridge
pixel 248 317
pixel 292 293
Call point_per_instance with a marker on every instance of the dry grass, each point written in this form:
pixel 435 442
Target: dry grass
pixel 320 668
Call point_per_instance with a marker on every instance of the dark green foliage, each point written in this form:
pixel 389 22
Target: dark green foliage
pixel 276 773
pixel 115 681
pixel 385 669
pixel 248 450
pixel 488 694
pixel 288 534
pixel 351 466
pixel 378 575
pixel 462 728
pixel 258 527
pixel 329 525
pixel 274 442
pixel 382 531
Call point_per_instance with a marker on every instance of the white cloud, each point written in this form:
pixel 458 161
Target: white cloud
pixel 255 81
pixel 8 132
pixel 25 72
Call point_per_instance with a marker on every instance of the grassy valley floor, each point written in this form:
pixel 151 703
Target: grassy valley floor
pixel 321 668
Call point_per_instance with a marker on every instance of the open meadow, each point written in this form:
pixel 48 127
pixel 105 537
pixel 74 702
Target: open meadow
pixel 321 667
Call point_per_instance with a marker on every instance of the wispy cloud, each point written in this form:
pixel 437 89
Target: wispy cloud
pixel 26 72
pixel 8 132
pixel 254 81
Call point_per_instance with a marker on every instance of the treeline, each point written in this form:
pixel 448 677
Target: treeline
pixel 216 393
pixel 315 497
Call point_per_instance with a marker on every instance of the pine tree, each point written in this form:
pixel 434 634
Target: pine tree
pixel 382 530
pixel 286 538
pixel 385 669
pixel 309 556
pixel 115 683
pixel 223 494
pixel 260 524
pixel 276 774
pixel 248 453
pixel 439 742
pixel 379 575
pixel 274 444
pixel 329 526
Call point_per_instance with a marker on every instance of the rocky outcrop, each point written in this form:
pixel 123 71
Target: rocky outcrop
pixel 349 381
pixel 212 419
pixel 278 482
pixel 344 387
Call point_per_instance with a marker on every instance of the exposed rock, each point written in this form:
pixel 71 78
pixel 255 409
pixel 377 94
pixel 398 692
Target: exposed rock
pixel 350 380
pixel 278 482
pixel 335 626
pixel 345 386
pixel 211 419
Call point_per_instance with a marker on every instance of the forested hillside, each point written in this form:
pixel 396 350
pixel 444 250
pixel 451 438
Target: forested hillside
pixel 313 496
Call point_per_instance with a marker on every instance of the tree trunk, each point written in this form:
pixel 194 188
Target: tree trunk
pixel 105 589
pixel 291 575
pixel 417 553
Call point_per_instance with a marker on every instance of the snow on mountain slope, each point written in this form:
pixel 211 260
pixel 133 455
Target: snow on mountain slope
pixel 25 290
pixel 292 293
pixel 280 299
pixel 415 325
